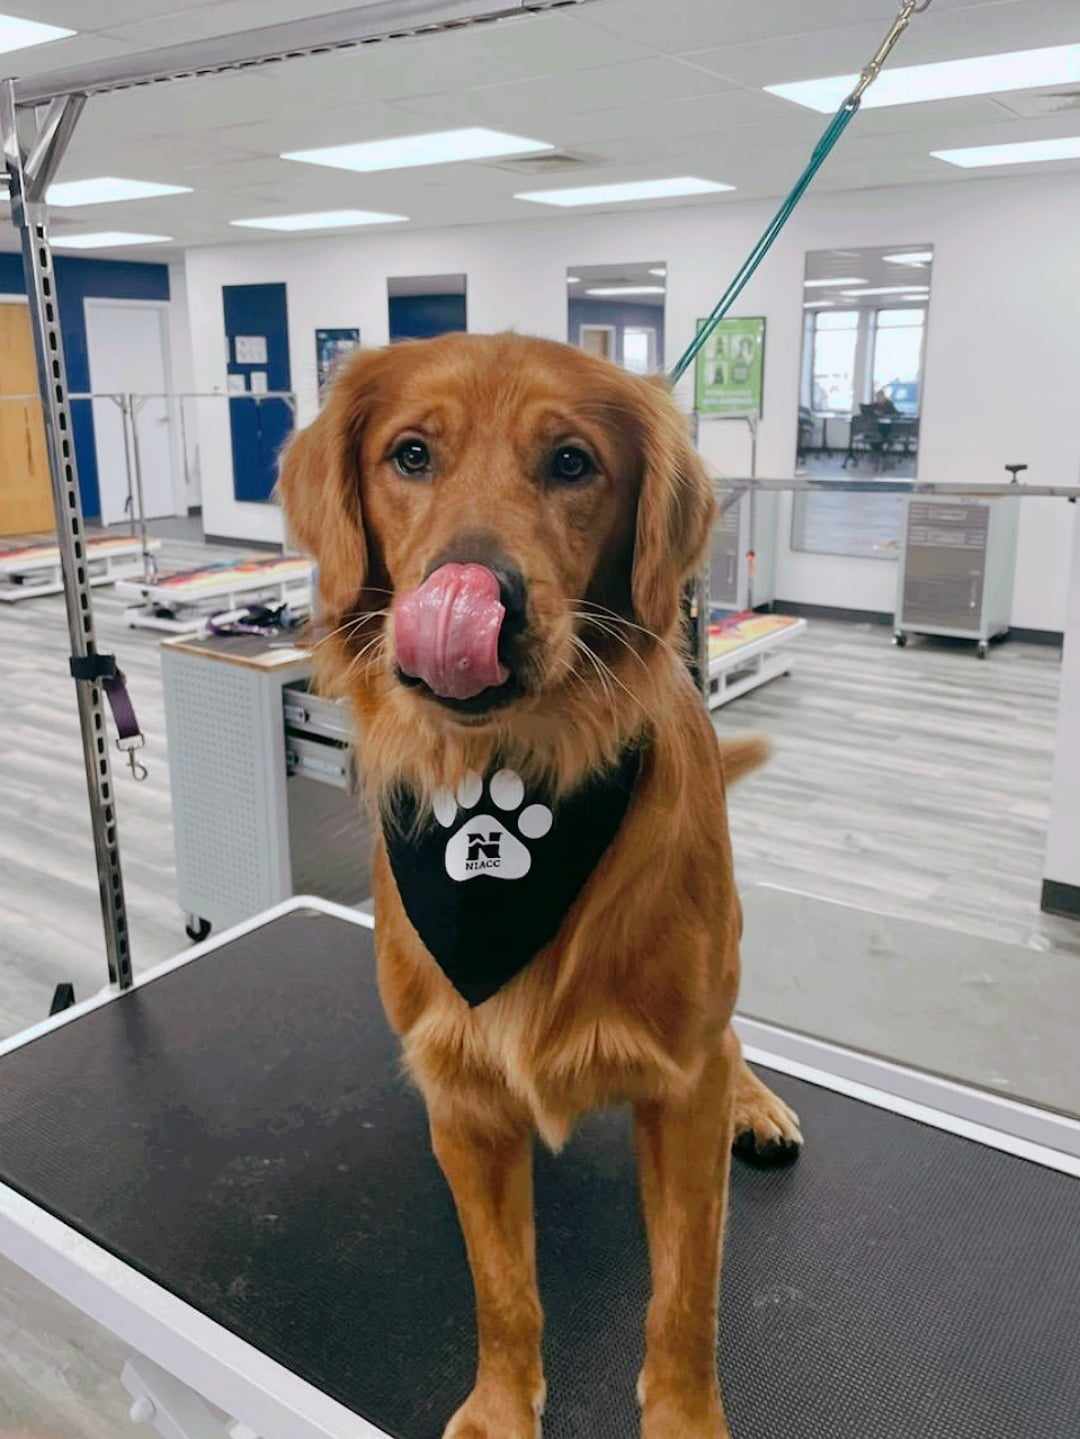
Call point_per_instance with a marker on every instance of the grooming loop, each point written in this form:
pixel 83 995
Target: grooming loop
pixel 825 146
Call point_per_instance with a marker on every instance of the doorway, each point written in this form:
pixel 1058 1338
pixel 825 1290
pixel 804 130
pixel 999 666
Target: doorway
pixel 25 494
pixel 128 349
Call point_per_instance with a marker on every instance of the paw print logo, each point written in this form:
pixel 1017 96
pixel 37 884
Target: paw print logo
pixel 482 843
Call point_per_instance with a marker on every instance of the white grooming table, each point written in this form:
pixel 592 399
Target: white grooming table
pixel 35 569
pixel 181 603
pixel 224 1168
pixel 747 650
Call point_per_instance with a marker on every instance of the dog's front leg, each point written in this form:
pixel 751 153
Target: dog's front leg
pixel 490 1174
pixel 684 1159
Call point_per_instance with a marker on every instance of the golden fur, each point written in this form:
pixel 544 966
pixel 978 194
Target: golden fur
pixel 633 1000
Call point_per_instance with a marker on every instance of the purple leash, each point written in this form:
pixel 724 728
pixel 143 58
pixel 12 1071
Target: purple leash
pixel 129 736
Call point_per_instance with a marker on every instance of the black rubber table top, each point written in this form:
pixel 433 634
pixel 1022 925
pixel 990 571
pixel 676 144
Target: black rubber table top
pixel 239 1131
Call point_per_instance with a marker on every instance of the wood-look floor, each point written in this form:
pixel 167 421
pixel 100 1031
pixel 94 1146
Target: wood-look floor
pixel 913 782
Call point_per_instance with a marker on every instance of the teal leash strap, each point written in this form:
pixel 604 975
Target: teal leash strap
pixel 840 121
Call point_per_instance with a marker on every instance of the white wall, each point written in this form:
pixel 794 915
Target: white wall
pixel 1003 349
pixel 1063 846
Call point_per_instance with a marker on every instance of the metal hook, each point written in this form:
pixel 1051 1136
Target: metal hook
pixel 130 747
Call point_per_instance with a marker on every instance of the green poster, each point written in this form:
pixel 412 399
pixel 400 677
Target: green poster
pixel 730 369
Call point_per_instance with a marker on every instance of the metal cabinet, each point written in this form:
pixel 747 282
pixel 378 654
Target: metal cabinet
pixel 957 569
pixel 264 790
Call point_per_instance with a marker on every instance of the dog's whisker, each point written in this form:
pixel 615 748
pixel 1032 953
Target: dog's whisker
pixel 606 629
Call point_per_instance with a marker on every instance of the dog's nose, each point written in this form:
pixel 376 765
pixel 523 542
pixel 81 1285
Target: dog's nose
pixel 512 595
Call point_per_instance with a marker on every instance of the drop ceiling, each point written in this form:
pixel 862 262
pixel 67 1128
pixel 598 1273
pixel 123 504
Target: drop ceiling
pixel 624 89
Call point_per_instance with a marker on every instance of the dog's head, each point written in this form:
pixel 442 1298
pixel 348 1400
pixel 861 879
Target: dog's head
pixel 488 510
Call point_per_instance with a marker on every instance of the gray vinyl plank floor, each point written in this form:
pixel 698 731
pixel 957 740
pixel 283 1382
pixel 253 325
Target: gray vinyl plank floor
pixel 913 783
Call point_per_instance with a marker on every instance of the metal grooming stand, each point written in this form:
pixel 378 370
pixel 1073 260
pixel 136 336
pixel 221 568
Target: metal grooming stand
pixel 38 117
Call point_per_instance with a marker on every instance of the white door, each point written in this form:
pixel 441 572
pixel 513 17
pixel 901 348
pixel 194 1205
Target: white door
pixel 128 352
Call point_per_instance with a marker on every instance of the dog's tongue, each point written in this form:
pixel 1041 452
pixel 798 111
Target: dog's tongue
pixel 447 632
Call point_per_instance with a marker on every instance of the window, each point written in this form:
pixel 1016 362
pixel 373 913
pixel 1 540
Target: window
pixel 836 338
pixel 639 349
pixel 898 347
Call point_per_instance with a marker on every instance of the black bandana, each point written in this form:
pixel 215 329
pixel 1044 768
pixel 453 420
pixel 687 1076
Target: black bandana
pixel 488 883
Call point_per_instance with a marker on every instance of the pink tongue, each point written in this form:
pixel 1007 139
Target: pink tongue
pixel 447 632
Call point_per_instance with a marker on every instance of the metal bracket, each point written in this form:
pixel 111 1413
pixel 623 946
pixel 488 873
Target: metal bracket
pixel 169 1406
pixel 30 171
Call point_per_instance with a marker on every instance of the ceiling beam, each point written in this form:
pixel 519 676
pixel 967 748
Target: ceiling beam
pixel 366 23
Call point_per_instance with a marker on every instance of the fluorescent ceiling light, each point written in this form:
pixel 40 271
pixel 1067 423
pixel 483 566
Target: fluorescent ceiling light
pixel 827 284
pixel 661 272
pixel 911 257
pixel 820 305
pixel 320 220
pixel 19 34
pixel 627 290
pixel 403 152
pixel 629 190
pixel 1025 152
pixel 106 189
pixel 891 290
pixel 944 80
pixel 573 279
pixel 106 239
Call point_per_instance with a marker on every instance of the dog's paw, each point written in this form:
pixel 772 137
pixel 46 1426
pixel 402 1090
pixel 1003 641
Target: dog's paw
pixel 767 1132
pixel 666 1416
pixel 481 843
pixel 491 1412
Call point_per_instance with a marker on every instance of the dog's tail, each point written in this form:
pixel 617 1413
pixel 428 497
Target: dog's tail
pixel 742 755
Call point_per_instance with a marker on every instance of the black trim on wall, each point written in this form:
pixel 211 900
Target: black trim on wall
pixel 831 612
pixel 884 617
pixel 1059 898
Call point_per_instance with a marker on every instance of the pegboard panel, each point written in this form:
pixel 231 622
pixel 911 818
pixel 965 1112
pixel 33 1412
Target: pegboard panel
pixel 225 850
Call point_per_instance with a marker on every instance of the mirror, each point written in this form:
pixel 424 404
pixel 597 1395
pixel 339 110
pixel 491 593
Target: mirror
pixel 861 391
pixel 617 312
pixel 422 306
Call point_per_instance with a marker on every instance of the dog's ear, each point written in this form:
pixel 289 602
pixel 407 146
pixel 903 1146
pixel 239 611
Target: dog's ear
pixel 319 489
pixel 674 513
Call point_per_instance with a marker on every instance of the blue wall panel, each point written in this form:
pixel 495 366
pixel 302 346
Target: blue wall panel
pixel 78 279
pixel 620 314
pixel 259 429
pixel 422 317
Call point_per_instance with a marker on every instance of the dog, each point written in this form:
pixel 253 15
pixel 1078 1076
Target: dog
pixel 504 528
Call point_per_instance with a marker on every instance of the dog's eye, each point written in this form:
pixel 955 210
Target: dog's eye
pixel 412 457
pixel 569 464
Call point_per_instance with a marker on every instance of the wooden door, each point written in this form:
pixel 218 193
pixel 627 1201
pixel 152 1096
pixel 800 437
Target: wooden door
pixel 25 494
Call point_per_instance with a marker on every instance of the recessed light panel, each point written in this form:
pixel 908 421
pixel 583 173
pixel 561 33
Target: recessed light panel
pixel 405 152
pixel 19 34
pixel 106 189
pixel 944 80
pixel 616 290
pixel 106 240
pixel 1025 152
pixel 828 284
pixel 321 220
pixel 911 257
pixel 630 190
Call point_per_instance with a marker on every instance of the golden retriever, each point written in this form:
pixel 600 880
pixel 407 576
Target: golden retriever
pixel 504 528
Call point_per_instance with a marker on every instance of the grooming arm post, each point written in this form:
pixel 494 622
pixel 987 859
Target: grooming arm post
pixel 29 175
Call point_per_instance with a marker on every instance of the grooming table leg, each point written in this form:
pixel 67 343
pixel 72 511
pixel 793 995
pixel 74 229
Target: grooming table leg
pixel 169 1406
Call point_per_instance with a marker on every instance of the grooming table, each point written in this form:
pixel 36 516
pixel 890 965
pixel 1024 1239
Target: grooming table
pixel 226 1168
pixel 35 569
pixel 747 650
pixel 182 603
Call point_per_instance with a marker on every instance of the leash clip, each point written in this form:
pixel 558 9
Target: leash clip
pixel 130 747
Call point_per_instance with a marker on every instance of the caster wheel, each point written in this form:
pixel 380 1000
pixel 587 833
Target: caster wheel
pixel 983 650
pixel 899 640
pixel 197 929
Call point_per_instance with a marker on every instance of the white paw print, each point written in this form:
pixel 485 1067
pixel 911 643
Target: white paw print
pixel 483 844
